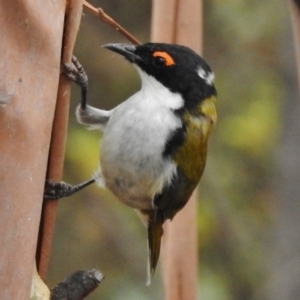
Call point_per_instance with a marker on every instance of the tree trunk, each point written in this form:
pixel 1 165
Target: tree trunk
pixel 30 47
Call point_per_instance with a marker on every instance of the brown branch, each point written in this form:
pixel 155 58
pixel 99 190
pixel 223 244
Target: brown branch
pixel 109 20
pixel 58 138
pixel 77 286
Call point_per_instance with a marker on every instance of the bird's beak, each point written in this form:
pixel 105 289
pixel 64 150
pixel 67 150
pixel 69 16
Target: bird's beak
pixel 128 51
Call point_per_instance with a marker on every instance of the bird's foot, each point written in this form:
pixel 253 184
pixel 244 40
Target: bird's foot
pixel 57 190
pixel 75 72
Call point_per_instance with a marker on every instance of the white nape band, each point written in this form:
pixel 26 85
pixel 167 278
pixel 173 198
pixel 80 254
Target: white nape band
pixel 207 76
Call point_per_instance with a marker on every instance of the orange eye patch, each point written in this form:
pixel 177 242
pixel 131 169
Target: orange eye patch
pixel 166 56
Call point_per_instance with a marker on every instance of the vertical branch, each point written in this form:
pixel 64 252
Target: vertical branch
pixel 58 139
pixel 30 45
pixel 181 21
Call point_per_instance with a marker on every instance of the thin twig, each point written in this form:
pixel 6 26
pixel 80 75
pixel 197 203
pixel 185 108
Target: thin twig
pixel 109 20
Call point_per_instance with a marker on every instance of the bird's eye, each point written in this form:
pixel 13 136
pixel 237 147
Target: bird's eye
pixel 162 59
pixel 159 61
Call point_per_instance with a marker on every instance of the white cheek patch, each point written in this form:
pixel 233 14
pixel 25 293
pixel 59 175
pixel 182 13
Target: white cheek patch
pixel 207 76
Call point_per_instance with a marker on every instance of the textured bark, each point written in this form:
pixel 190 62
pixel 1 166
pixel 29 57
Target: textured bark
pixel 30 49
pixel 78 285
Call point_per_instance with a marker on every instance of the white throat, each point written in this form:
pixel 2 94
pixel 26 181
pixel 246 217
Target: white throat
pixel 154 90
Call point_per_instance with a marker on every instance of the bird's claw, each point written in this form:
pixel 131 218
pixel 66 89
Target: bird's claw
pixel 56 190
pixel 75 72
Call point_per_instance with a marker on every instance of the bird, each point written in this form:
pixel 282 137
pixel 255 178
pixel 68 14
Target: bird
pixel 154 144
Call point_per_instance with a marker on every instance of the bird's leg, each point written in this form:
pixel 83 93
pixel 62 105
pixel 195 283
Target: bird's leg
pixel 76 73
pixel 57 190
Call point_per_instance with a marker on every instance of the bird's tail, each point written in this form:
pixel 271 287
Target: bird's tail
pixel 155 232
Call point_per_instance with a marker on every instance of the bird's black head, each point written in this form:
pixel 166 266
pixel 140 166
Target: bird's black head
pixel 177 67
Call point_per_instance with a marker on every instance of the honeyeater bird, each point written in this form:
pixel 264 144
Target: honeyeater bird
pixel 154 144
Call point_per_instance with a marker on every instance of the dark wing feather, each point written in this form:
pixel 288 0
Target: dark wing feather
pixel 155 232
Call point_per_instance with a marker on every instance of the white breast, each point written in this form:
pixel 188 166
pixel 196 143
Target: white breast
pixel 133 141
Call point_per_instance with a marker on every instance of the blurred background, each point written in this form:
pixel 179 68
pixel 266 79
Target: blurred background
pixel 249 225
